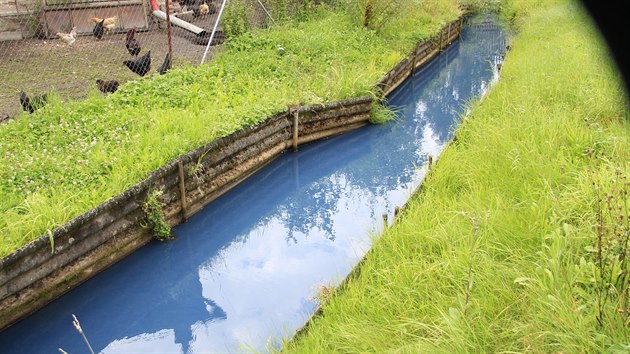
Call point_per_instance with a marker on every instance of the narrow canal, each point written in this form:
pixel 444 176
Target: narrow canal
pixel 243 273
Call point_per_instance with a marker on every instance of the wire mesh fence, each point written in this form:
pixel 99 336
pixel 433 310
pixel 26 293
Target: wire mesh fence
pixel 65 46
pixel 70 47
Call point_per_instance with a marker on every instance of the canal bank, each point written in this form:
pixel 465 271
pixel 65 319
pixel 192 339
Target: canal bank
pixel 431 124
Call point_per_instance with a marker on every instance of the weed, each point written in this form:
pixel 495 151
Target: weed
pixel 380 113
pixel 469 285
pixel 324 293
pixel 77 326
pixel 613 234
pixel 236 20
pixel 152 208
pixel 374 14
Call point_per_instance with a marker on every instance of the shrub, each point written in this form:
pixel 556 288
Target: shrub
pixel 152 208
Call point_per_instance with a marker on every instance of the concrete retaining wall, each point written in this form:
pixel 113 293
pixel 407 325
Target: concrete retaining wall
pixel 53 264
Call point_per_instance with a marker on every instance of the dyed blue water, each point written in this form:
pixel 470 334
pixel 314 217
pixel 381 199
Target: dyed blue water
pixel 242 273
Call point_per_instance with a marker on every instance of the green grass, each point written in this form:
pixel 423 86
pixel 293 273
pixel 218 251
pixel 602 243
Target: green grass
pixel 71 156
pixel 498 250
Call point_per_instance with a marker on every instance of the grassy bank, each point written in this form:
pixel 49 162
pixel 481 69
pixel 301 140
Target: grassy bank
pixel 517 240
pixel 71 156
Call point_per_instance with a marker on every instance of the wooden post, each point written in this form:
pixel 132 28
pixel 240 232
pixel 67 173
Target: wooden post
pixel 413 63
pixel 385 221
pixel 430 162
pixel 449 31
pixel 182 190
pixel 396 211
pixel 296 118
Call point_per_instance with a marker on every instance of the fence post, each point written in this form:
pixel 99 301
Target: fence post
pixel 448 36
pixel 182 190
pixel 296 121
pixel 413 62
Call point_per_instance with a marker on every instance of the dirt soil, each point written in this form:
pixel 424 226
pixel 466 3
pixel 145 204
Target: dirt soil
pixel 37 66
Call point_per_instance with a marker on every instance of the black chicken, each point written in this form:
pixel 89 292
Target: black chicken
pixel 166 65
pixel 141 66
pixel 30 104
pixel 132 44
pixel 107 86
pixel 99 29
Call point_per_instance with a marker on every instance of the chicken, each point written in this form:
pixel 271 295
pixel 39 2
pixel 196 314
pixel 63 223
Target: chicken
pixel 109 23
pixel 107 86
pixel 69 38
pixel 204 9
pixel 132 44
pixel 99 30
pixel 175 8
pixel 198 7
pixel 30 104
pixel 141 66
pixel 166 65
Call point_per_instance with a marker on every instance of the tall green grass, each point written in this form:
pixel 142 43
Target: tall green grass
pixel 71 156
pixel 498 251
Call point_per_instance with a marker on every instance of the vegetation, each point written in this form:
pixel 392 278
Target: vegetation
pixel 518 239
pixel 245 15
pixel 375 13
pixel 69 157
pixel 152 208
pixel 380 113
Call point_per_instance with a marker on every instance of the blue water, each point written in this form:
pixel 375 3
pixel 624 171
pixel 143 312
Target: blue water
pixel 242 273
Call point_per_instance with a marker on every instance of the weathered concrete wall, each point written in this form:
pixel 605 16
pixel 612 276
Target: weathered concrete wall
pixel 21 19
pixel 17 19
pixel 43 270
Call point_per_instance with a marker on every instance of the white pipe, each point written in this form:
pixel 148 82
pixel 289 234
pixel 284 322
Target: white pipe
pixel 214 29
pixel 179 22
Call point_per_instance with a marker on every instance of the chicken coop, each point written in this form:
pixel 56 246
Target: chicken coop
pixel 21 19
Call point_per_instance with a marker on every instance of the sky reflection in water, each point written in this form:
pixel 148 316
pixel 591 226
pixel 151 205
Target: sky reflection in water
pixel 243 272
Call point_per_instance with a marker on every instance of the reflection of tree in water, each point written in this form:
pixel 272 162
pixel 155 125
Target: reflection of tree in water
pixel 383 158
pixel 315 204
pixel 430 102
pixel 313 209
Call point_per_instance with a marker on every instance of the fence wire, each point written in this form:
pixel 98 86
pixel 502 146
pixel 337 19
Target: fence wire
pixel 65 46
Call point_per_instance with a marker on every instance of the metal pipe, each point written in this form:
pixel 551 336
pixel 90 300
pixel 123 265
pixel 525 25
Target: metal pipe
pixel 174 20
pixel 168 28
pixel 179 23
pixel 267 12
pixel 214 29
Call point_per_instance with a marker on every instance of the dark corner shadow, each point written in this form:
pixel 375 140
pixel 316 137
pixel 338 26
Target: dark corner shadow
pixel 611 18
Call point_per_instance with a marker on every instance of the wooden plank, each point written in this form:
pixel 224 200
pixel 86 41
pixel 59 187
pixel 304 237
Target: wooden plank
pixel 63 20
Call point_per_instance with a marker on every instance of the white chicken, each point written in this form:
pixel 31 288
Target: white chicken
pixel 69 38
pixel 204 9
